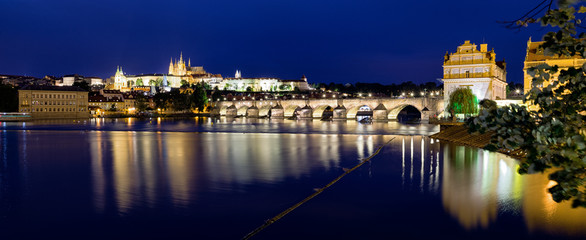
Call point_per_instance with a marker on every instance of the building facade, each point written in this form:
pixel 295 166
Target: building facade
pixel 43 102
pixel 238 83
pixel 475 69
pixel 536 57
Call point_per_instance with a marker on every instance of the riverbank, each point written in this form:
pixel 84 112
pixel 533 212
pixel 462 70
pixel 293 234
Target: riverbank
pixel 459 134
pixel 151 115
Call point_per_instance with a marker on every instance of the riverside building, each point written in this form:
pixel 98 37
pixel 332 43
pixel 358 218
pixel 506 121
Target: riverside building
pixel 536 57
pixel 43 102
pixel 475 69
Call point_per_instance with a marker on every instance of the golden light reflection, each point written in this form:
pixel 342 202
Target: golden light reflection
pixel 140 169
pixel 477 185
pixel 469 186
pixel 542 214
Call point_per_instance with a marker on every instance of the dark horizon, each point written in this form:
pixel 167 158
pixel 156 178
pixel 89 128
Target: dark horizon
pixel 330 41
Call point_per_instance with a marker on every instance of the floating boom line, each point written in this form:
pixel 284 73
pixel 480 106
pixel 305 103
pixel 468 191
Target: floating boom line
pixel 288 210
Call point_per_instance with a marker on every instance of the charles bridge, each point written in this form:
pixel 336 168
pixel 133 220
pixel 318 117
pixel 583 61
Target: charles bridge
pixel 382 109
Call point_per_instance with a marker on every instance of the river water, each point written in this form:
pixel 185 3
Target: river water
pixel 204 178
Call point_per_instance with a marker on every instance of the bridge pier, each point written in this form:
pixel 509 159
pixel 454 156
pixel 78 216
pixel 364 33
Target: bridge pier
pixel 215 111
pixel 277 112
pixel 380 113
pixel 339 113
pixel 252 112
pixel 231 111
pixel 305 113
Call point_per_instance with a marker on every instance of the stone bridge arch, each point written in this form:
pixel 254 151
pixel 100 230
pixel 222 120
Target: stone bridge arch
pixel 242 110
pixel 223 109
pixel 290 110
pixel 394 112
pixel 319 110
pixel 352 112
pixel 263 111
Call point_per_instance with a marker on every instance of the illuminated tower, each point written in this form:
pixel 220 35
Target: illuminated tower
pixel 478 70
pixel 238 74
pixel 119 79
pixel 178 68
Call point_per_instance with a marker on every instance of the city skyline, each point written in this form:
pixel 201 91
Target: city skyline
pixel 342 41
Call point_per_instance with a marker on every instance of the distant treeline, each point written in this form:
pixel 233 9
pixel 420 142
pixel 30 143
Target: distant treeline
pixel 390 90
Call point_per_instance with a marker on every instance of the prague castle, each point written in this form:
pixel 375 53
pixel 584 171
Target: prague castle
pixel 181 73
pixel 475 69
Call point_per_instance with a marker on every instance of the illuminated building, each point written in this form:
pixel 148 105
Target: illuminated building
pixel 106 103
pixel 474 69
pixel 181 72
pixel 238 83
pixel 69 80
pixel 53 102
pixel 536 57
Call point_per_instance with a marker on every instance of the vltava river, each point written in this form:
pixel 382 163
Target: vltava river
pixel 220 179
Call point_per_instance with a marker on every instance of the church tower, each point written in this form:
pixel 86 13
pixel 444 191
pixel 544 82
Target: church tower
pixel 119 79
pixel 178 68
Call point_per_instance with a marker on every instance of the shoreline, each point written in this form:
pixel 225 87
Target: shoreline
pixel 458 133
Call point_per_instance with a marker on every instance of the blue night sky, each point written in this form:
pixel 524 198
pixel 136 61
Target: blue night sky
pixel 329 41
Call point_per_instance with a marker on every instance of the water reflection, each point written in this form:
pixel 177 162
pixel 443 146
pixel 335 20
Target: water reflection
pixel 542 214
pixel 478 185
pixel 167 174
pixel 419 166
pixel 142 169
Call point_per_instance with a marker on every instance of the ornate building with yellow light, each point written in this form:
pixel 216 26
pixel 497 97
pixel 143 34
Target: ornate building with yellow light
pixel 476 69
pixel 181 72
pixel 536 57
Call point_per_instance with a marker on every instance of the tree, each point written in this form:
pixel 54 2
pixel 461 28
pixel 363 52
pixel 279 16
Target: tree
pixel 249 89
pixel 141 103
pixel 8 98
pixel 199 97
pixel 139 82
pixel 184 82
pixel 130 83
pixel 552 133
pixel 82 84
pixel 152 82
pixel 216 94
pixel 463 101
